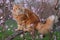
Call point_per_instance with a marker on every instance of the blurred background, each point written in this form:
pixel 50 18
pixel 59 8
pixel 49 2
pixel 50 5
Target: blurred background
pixel 42 8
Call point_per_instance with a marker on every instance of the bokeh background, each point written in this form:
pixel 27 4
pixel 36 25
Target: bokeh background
pixel 42 8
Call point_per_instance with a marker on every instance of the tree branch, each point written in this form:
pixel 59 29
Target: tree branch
pixel 11 37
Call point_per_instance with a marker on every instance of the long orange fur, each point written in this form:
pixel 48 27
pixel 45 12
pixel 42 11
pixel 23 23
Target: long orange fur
pixel 27 18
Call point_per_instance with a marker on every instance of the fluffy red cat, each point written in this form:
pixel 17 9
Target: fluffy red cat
pixel 24 18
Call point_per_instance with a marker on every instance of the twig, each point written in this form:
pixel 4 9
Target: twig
pixel 11 37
